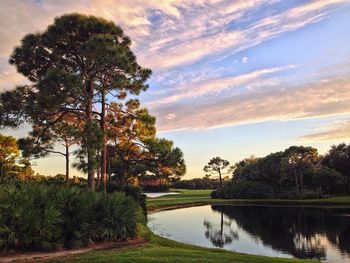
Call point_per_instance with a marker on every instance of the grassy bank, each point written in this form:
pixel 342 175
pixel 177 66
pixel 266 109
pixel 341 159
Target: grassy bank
pixel 187 197
pixel 163 250
pixel 159 249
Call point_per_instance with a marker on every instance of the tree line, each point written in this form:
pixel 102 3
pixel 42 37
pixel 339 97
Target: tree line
pixel 297 172
pixel 81 72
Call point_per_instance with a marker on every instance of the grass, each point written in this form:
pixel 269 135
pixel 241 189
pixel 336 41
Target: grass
pixel 203 197
pixel 185 196
pixel 162 250
pixel 159 249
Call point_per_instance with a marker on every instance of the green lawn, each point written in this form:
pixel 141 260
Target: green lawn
pixel 188 193
pixel 161 250
pixel 185 196
pixel 203 197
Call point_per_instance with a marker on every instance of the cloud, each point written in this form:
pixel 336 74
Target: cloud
pixel 170 116
pixel 168 34
pixel 339 130
pixel 21 17
pixel 196 89
pixel 199 41
pixel 245 60
pixel 293 102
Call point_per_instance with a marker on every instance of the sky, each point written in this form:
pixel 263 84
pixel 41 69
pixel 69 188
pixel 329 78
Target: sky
pixel 230 78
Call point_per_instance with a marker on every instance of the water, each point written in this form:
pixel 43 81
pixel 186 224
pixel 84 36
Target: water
pixel 302 232
pixel 153 195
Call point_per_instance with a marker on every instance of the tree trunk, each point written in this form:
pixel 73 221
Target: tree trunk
pixel 89 136
pixel 103 152
pixel 301 182
pixel 296 181
pixel 220 178
pixel 98 183
pixel 67 165
pixel 222 225
pixel 109 173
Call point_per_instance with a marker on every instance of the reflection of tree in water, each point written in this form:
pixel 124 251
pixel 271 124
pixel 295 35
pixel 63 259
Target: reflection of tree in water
pixel 302 232
pixel 217 236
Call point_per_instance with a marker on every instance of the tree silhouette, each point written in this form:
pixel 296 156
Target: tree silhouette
pixel 216 165
pixel 220 237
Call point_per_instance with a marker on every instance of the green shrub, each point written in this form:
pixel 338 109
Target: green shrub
pixel 136 192
pixel 244 190
pixel 293 194
pixel 197 183
pixel 47 217
pixel 329 180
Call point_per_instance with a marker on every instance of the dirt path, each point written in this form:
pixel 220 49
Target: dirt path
pixel 36 256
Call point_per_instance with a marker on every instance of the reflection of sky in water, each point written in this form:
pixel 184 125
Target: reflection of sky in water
pixel 187 225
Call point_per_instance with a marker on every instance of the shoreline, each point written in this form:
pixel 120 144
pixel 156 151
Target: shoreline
pixel 33 256
pixel 186 199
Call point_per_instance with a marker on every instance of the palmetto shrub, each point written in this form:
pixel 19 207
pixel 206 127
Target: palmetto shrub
pixel 47 217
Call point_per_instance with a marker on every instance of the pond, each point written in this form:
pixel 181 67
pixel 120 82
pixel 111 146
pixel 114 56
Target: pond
pixel 302 232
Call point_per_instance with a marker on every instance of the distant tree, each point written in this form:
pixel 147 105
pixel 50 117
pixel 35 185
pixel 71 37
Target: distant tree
pixel 270 170
pixel 11 163
pixel 338 158
pixel 245 169
pixel 329 180
pixel 9 152
pixel 40 143
pixel 24 170
pixel 297 162
pixel 196 183
pixel 164 159
pixel 216 165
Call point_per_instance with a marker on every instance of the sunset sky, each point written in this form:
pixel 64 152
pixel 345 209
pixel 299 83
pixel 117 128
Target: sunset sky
pixel 230 78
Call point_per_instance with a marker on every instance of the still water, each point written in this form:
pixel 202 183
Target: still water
pixel 302 232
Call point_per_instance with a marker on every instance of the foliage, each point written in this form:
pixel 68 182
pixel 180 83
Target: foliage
pixel 295 173
pixel 71 65
pixel 11 165
pixel 47 217
pixel 338 158
pixel 329 181
pixel 244 190
pixel 197 183
pixel 9 153
pixel 138 195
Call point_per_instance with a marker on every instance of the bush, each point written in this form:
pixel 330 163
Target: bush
pixel 244 190
pixel 138 195
pixel 47 217
pixel 197 183
pixel 293 194
pixel 329 180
